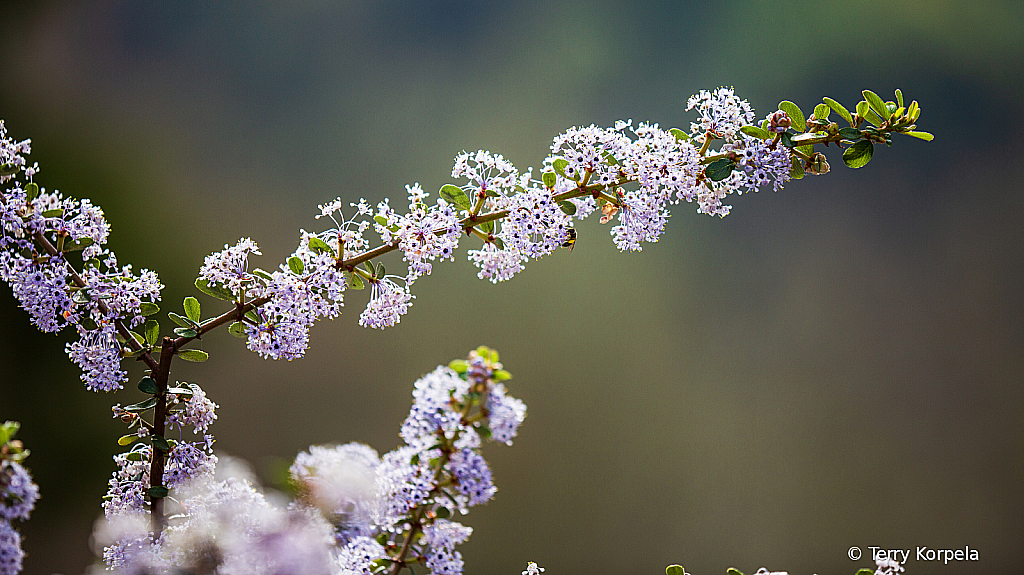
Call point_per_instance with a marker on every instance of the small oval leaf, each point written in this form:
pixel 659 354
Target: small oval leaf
pixel 549 179
pixel 876 104
pixel 455 195
pixel 295 264
pixel 821 112
pixel 191 306
pixel 921 135
pixel 147 308
pixel 794 113
pixel 127 439
pixel 719 169
pixel 859 154
pixel 158 491
pixel 152 331
pixel 755 132
pixel 839 109
pixel 237 329
pixel 567 207
pixel 214 290
pixel 148 385
pixel 194 355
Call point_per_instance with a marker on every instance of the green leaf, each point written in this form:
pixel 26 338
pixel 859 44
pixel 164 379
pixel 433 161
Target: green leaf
pixel 680 135
pixel 787 140
pixel 141 340
pixel 876 104
pixel 796 167
pixel 852 134
pixel 559 165
pixel 181 391
pixel 191 306
pixel 260 273
pixel 142 405
pixel 147 308
pixel 321 247
pixel 237 329
pixel 865 572
pixel 859 154
pixel 899 97
pixel 502 375
pixel 152 331
pixel 194 355
pixel 733 571
pixel 921 135
pixel 821 111
pixel 487 227
pixel 839 109
pixel 134 456
pixel 794 113
pixel 567 207
pixel 158 491
pixel 79 245
pixel 379 272
pixel 808 149
pixel 355 281
pixel 675 570
pixel 549 179
pixel 498 243
pixel 148 385
pixel 127 439
pixel 455 195
pixel 295 264
pixel 185 332
pixel 183 322
pixel 56 213
pixel 719 169
pixel 755 132
pixel 458 365
pixel 214 290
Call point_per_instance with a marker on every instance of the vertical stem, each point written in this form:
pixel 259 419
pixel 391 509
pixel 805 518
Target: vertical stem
pixel 156 469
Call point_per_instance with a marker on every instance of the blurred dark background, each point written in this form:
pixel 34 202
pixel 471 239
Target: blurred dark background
pixel 838 364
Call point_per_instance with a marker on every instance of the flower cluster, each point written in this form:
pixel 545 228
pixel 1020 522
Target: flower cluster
pixel 38 231
pixel 351 504
pixel 18 495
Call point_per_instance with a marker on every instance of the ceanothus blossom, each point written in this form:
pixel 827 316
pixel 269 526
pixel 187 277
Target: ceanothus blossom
pixel 98 354
pixel 388 303
pixel 229 267
pixel 441 537
pixel 721 113
pixel 486 172
pixel 339 481
pixel 497 264
pixel 358 556
pixel 472 478
pixel 402 484
pixel 11 554
pixel 535 225
pixel 432 410
pixel 424 234
pixel 505 414
pixel 18 494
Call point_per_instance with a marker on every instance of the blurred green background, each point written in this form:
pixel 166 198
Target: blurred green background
pixel 838 364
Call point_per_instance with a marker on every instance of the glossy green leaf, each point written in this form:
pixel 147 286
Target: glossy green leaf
pixel 134 456
pixel 755 132
pixel 237 329
pixel 194 355
pixel 559 165
pixel 839 109
pixel 498 243
pixel 899 97
pixel 859 154
pixel 680 135
pixel 455 195
pixel 158 491
pixel 214 290
pixel 260 273
pixel 921 135
pixel 487 227
pixel 379 272
pixel 796 167
pixel 733 571
pixel 501 375
pixel 355 281
pixel 808 149
pixel 865 572
pixel 148 385
pixel 78 245
pixel 852 134
pixel 821 111
pixel 187 391
pixel 458 365
pixel 147 308
pixel 787 140
pixel 549 179
pixel 192 308
pixel 181 321
pixel 152 332
pixel 295 264
pixel 127 439
pixel 185 332
pixel 719 169
pixel 56 213
pixel 794 113
pixel 138 338
pixel 142 405
pixel 675 570
pixel 876 104
pixel 567 207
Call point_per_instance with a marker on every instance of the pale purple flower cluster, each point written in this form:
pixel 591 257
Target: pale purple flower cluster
pixel 762 164
pixel 388 303
pixel 535 225
pixel 486 172
pixel 18 495
pixel 425 234
pixel 198 410
pixel 721 112
pixel 497 264
pixel 358 555
pixel 229 268
pixel 441 538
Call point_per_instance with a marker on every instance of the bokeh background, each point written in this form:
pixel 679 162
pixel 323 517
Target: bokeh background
pixel 838 364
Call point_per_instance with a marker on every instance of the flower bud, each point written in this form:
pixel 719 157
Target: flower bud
pixel 818 165
pixel 779 122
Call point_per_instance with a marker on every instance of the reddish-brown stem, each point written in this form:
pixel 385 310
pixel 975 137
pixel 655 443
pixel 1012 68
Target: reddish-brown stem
pixel 156 467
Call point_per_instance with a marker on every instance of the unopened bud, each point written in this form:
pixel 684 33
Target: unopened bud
pixel 779 122
pixel 818 165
